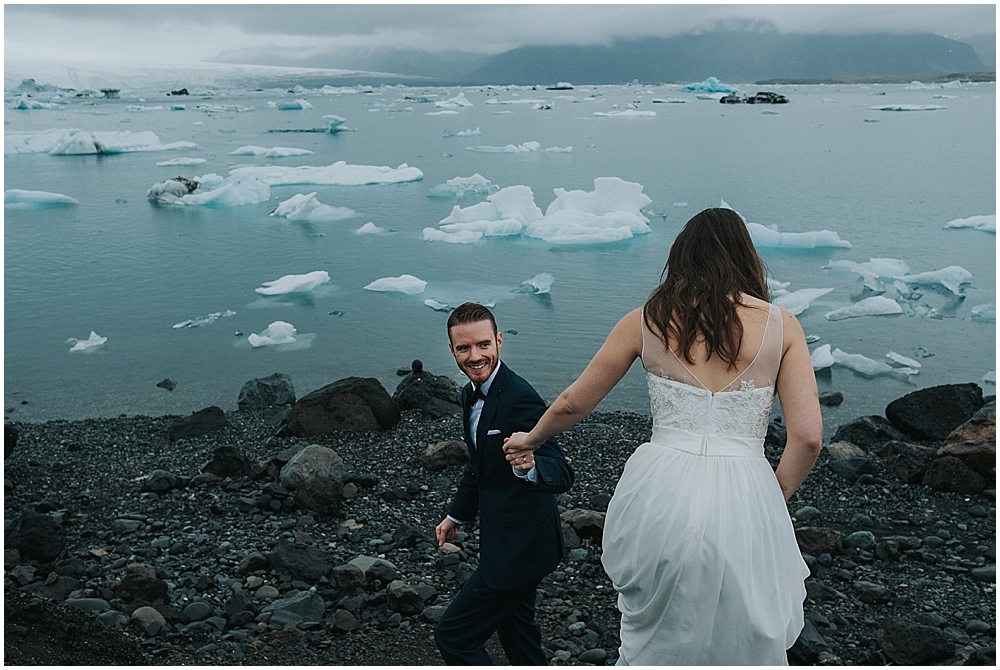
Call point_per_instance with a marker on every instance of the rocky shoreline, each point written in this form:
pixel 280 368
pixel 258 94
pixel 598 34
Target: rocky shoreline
pixel 225 538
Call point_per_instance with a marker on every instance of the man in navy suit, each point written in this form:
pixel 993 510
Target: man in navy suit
pixel 520 538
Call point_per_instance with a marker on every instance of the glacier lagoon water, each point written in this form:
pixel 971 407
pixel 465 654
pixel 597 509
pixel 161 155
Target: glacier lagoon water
pixel 129 269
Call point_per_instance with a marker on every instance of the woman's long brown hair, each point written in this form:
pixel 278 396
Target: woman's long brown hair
pixel 710 264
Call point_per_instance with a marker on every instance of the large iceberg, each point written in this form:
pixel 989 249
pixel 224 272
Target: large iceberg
pixel 710 85
pixel 987 222
pixel 279 332
pixel 876 305
pixel 951 277
pixel 764 236
pixel 16 198
pixel 797 302
pixel 505 212
pixel 338 174
pixel 59 141
pixel 90 344
pixel 210 190
pixel 462 186
pixel 403 284
pixel 294 283
pixel 305 207
pixel 273 152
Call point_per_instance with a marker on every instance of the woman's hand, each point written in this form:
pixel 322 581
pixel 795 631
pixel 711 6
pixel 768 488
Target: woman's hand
pixel 520 451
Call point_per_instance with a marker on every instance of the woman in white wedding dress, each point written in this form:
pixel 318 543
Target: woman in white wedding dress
pixel 697 539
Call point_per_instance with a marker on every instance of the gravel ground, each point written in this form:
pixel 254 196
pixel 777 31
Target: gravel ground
pixel 88 475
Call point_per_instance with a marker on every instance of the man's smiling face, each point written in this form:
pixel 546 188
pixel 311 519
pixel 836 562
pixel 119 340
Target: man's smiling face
pixel 476 349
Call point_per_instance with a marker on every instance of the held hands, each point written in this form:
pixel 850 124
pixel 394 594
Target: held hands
pixel 446 531
pixel 520 452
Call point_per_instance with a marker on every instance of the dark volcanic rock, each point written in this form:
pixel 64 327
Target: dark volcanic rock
pixel 161 481
pixel 831 399
pixel 587 523
pixel 868 432
pixel 401 598
pixel 443 455
pixel 228 461
pixel 36 536
pixel 313 461
pixel 300 561
pixel 932 413
pixel 199 423
pixel 354 403
pixel 905 462
pixel 909 643
pixel 439 396
pixel 975 442
pixel 818 540
pixel 852 468
pixel 267 392
pixel 809 645
pixel 323 495
pixel 294 610
pixel 949 473
pixel 9 440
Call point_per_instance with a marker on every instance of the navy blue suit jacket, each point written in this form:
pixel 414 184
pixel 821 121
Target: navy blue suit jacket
pixel 520 537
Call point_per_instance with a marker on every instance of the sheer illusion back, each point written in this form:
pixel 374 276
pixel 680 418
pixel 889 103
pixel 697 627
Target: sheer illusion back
pixel 742 408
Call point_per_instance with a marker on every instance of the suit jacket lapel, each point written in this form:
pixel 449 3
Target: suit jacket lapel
pixel 466 409
pixel 489 410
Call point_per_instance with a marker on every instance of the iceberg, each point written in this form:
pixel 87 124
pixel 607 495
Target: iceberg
pixel 24 102
pixel 452 103
pixel 437 305
pixel 204 320
pixel 458 237
pixel 539 284
pixel 16 198
pixel 210 190
pixel 767 237
pixel 278 332
pixel 710 85
pixel 628 113
pixel 407 284
pixel 469 132
pixel 821 357
pixel 294 105
pixel 62 142
pixel 294 283
pixel 505 212
pixel 990 377
pixel 305 207
pixel 873 271
pixel 866 366
pixel 90 344
pixel 463 186
pixel 797 302
pixel 334 123
pixel 338 174
pixel 903 360
pixel 951 277
pixel 443 112
pixel 173 162
pixel 985 313
pixel 369 229
pixel 273 152
pixel 907 108
pixel 777 288
pixel 874 306
pixel 987 222
pixel 143 108
pixel 526 147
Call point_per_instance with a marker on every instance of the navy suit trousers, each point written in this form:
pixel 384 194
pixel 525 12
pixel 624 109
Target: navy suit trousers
pixel 477 612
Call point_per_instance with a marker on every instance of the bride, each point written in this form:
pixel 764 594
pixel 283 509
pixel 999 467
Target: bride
pixel 697 539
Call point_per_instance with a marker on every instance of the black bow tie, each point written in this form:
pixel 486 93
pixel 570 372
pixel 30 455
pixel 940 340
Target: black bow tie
pixel 478 395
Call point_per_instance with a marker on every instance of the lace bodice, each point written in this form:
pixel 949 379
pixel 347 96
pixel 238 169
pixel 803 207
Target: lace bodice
pixel 678 399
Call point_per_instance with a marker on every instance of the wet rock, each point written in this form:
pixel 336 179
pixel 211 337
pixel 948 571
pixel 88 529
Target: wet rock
pixel 905 462
pixel 949 473
pixel 868 432
pixel 444 455
pixel 831 399
pixel 587 523
pixel 909 643
pixel 35 536
pixel 975 442
pixel 439 396
pixel 818 540
pixel 168 384
pixel 303 607
pixel 301 561
pixel 402 598
pixel 265 392
pixel 933 413
pixel 161 481
pixel 200 423
pixel 861 539
pixel 354 403
pixel 227 461
pixel 313 461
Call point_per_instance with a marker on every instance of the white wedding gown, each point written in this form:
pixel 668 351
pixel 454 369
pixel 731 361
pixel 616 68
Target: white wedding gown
pixel 697 539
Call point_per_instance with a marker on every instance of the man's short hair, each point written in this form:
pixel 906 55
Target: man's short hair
pixel 470 312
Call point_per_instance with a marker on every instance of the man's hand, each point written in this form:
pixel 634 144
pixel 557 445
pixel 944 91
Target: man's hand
pixel 523 462
pixel 446 531
pixel 519 452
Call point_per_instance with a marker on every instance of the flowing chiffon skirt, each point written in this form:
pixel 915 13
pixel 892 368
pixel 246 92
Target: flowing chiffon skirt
pixel 700 547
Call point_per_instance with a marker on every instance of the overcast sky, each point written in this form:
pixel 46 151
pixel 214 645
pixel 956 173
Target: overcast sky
pixel 304 33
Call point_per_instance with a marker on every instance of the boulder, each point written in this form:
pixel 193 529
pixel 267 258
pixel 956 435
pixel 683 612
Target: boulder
pixel 587 524
pixel 840 451
pixel 267 392
pixel 354 403
pixel 295 610
pixel 145 587
pixel 407 536
pixel 868 432
pixel 975 442
pixel 142 617
pixel 313 461
pixel 949 473
pixel 252 563
pixel 402 598
pixel 933 413
pixel 905 462
pixel 35 536
pixel 299 560
pixel 818 540
pixel 344 621
pixel 852 468
pixel 202 422
pixel 57 590
pixel 908 643
pixel 436 395
pixel 323 495
pixel 871 593
pixel 376 568
pixel 443 455
pixel 831 399
pixel 809 645
pixel 348 577
pixel 227 461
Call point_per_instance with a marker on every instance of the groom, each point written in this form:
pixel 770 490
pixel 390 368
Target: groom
pixel 520 539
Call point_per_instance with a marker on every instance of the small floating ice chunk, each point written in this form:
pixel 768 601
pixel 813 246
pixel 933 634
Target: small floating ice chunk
pixel 294 283
pixel 951 277
pixel 526 147
pixel 443 112
pixel 437 305
pixel 863 365
pixel 457 237
pixel 558 150
pixel 204 320
pixel 987 222
pixel 821 357
pixel 469 132
pixel 90 344
pixel 295 105
pixel 990 377
pixel 63 142
pixel 710 85
pixel 461 186
pixel 338 174
pixel 333 123
pixel 369 229
pixel 273 152
pixel 17 198
pixel 407 284
pixel 180 162
pixel 874 306
pixel 305 207
pixel 143 108
pixel 211 190
pixel 907 108
pixel 680 204
pixel 763 236
pixel 451 103
pixel 537 285
pixel 628 114
pixel 797 302
pixel 777 288
pixel 903 360
pixel 279 332
pixel 985 313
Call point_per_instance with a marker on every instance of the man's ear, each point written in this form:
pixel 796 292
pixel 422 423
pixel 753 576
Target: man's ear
pixel 499 341
pixel 451 347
